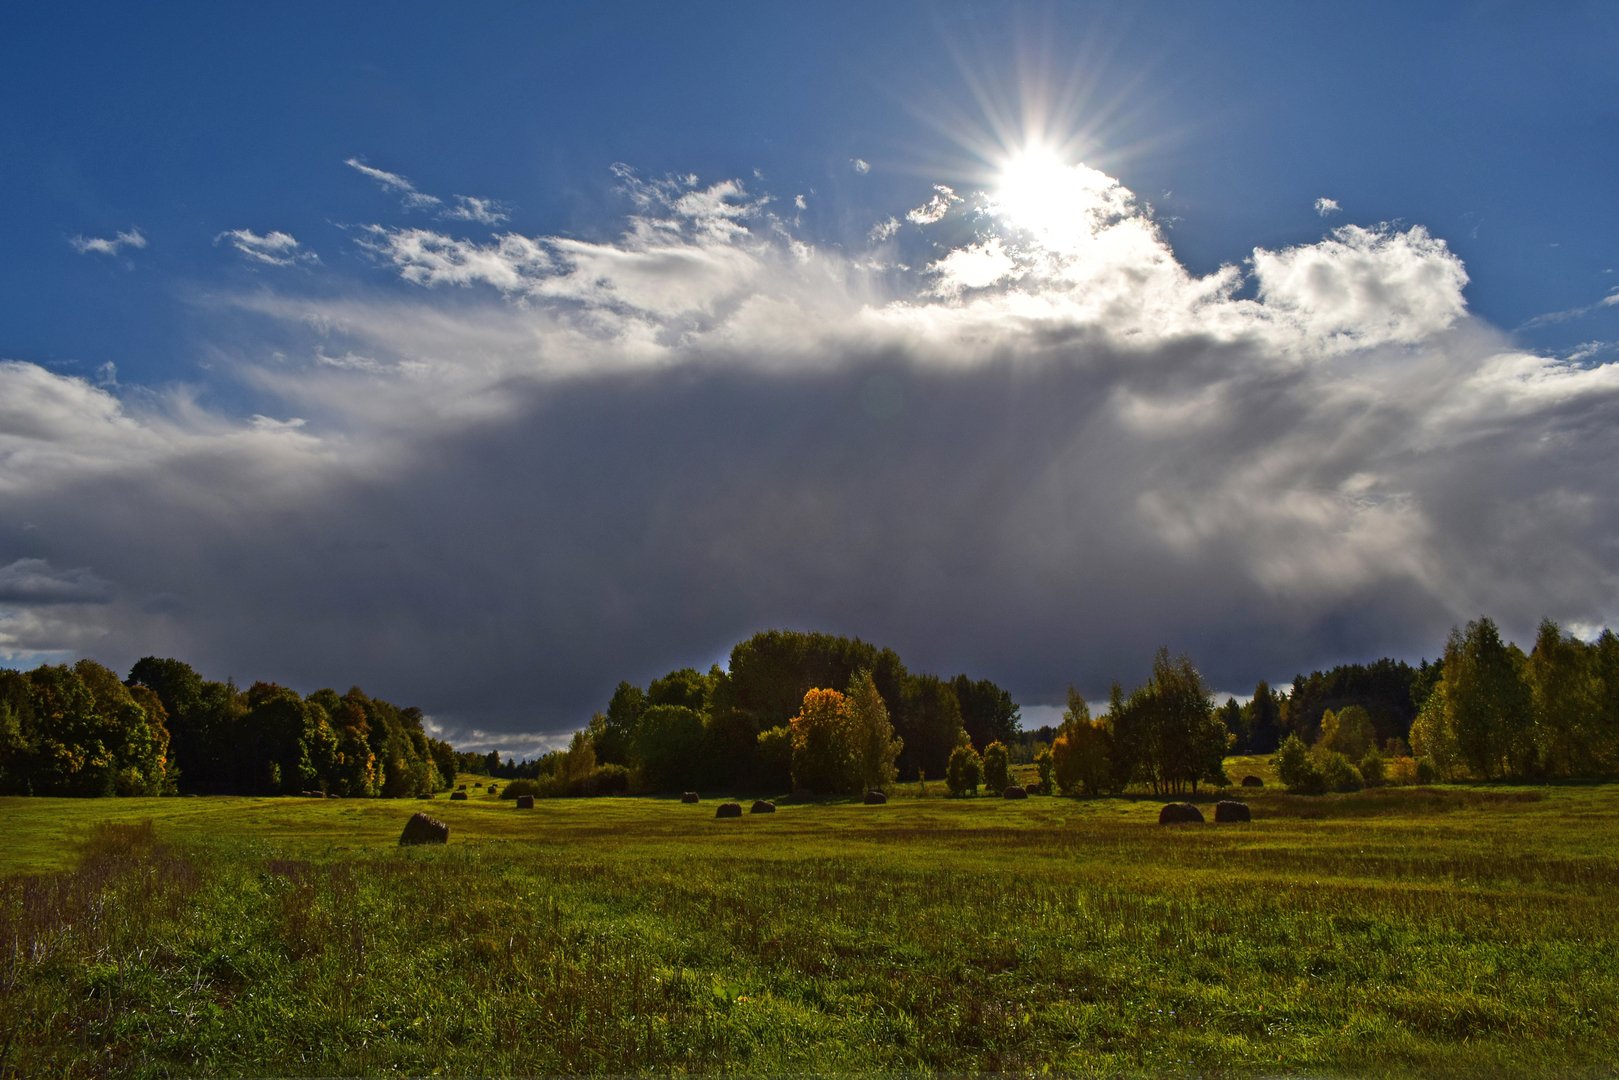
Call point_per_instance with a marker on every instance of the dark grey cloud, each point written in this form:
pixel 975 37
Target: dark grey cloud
pixel 497 510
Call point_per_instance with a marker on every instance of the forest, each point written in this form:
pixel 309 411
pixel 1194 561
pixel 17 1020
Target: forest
pixel 823 714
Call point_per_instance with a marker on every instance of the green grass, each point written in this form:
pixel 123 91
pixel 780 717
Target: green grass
pixel 1454 930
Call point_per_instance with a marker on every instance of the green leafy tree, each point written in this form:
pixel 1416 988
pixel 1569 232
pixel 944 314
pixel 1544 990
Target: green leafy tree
pixel 1349 731
pixel 773 760
pixel 996 768
pixel 964 771
pixel 932 725
pixel 1433 738
pixel 1045 766
pixel 616 736
pixel 987 712
pixel 875 745
pixel 1488 703
pixel 1297 768
pixel 1565 695
pixel 670 748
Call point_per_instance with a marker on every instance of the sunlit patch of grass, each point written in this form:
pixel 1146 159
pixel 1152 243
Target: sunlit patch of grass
pixel 1406 930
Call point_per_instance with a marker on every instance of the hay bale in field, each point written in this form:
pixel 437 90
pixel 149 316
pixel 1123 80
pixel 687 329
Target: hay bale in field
pixel 729 809
pixel 1231 810
pixel 333 795
pixel 1014 792
pixel 689 797
pixel 1252 781
pixel 763 806
pixel 525 802
pixel 460 787
pixel 1180 813
pixel 421 829
pixel 875 798
pixel 458 796
pixel 425 795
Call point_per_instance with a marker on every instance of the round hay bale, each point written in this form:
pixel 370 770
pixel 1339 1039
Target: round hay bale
pixel 875 798
pixel 525 802
pixel 689 797
pixel 421 829
pixel 1180 813
pixel 729 809
pixel 1014 792
pixel 763 806
pixel 425 795
pixel 458 796
pixel 460 787
pixel 333 795
pixel 1231 810
pixel 1252 781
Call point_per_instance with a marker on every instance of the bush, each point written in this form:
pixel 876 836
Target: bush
pixel 964 772
pixel 995 768
pixel 1371 768
pixel 1400 770
pixel 1044 763
pixel 520 787
pixel 1427 771
pixel 609 780
pixel 1337 773
pixel 1297 768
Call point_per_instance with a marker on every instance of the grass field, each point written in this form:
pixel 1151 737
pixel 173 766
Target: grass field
pixel 1454 930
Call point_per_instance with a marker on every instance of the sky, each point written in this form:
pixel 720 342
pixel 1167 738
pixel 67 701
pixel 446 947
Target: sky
pixel 484 356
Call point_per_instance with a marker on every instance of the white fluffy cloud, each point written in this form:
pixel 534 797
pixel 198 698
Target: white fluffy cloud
pixel 97 245
pixel 1045 452
pixel 1325 206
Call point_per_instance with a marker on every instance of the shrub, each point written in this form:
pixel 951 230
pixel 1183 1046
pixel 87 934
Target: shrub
pixel 520 787
pixel 606 780
pixel 1400 770
pixel 995 768
pixel 964 772
pixel 1297 768
pixel 1337 773
pixel 1371 768
pixel 1044 763
pixel 1427 772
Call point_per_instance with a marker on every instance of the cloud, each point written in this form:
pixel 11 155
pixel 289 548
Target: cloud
pixel 409 197
pixel 1553 317
pixel 35 581
pixel 95 245
pixel 1325 206
pixel 482 211
pixel 529 466
pixel 463 208
pixel 271 249
pixel 935 208
pixel 860 165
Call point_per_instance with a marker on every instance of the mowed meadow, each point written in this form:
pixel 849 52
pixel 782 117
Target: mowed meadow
pixel 1454 929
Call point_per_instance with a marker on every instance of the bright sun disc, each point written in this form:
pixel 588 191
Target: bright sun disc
pixel 1036 192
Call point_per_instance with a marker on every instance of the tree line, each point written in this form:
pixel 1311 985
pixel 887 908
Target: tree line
pixel 80 730
pixel 745 727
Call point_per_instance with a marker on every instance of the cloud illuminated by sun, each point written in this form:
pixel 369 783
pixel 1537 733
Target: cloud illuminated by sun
pixel 1060 203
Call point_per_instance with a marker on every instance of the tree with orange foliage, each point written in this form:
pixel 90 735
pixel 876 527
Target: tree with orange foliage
pixel 824 760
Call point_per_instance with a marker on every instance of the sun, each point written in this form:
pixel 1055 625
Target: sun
pixel 1035 191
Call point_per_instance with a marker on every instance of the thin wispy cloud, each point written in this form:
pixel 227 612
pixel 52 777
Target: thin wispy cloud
pixel 462 208
pixel 97 245
pixel 1552 317
pixel 274 248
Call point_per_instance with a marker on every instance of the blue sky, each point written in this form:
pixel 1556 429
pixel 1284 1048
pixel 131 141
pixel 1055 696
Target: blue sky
pixel 234 237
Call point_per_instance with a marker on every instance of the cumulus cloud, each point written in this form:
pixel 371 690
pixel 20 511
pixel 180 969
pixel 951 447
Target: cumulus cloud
pixel 97 245
pixel 550 464
pixel 1325 206
pixel 274 248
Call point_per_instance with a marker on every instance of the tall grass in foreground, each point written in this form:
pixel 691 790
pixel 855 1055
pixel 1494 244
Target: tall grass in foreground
pixel 1415 931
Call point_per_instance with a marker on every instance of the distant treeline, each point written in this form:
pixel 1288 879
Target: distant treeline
pixel 690 730
pixel 80 731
